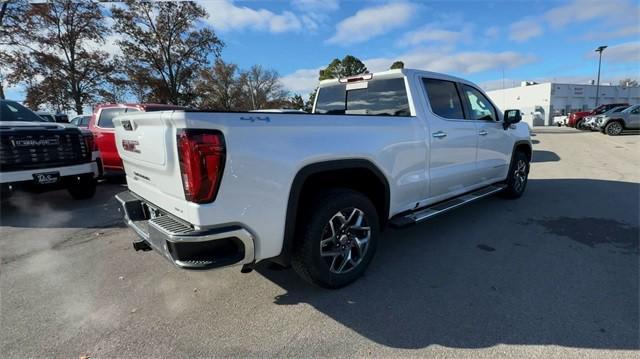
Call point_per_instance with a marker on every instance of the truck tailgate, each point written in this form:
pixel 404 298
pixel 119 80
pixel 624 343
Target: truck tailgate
pixel 146 143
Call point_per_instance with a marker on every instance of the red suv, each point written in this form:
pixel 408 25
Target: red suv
pixel 101 125
pixel 576 119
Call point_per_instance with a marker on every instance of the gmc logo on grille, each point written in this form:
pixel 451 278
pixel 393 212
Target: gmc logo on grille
pixel 131 146
pixel 54 141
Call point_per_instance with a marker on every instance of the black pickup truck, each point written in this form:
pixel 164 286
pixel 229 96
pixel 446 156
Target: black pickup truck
pixel 45 155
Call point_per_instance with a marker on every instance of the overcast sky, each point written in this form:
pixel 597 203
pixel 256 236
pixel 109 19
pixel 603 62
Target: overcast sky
pixel 478 40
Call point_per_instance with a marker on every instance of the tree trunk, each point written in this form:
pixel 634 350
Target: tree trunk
pixel 1 91
pixel 78 102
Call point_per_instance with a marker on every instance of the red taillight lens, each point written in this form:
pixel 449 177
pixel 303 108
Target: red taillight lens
pixel 202 156
pixel 90 142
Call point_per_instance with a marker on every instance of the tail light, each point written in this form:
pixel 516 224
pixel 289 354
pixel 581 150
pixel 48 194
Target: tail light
pixel 90 142
pixel 202 155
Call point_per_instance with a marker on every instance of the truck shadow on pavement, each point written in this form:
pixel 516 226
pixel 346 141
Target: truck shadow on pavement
pixel 544 156
pixel 56 209
pixel 557 267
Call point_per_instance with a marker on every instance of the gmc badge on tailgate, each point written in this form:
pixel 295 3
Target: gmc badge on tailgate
pixel 130 145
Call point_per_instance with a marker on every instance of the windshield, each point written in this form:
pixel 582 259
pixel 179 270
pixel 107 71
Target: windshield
pixel 616 109
pixel 13 111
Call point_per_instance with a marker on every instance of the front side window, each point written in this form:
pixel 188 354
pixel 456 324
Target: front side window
pixel 444 99
pixel 479 106
pixel 108 114
pixel 379 98
pixel 13 111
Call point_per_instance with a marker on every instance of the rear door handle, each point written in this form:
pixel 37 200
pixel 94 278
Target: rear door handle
pixel 483 133
pixel 439 134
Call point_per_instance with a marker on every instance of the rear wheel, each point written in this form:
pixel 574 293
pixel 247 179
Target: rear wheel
pixel 81 187
pixel 518 176
pixel 613 128
pixel 338 238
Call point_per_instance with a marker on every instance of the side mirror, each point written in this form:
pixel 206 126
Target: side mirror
pixel 511 117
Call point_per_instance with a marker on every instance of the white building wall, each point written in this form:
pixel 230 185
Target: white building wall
pixel 533 101
pixel 539 103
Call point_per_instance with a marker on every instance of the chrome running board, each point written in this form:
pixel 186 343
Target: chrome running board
pixel 424 213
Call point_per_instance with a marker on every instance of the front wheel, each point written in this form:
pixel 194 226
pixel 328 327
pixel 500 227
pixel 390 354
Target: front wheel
pixel 581 125
pixel 81 187
pixel 518 176
pixel 337 238
pixel 613 128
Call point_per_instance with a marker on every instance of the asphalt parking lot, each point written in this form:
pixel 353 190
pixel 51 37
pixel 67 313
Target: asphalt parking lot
pixel 554 274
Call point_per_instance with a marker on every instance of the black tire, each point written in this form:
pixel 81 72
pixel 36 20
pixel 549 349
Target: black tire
pixel 81 187
pixel 307 259
pixel 580 126
pixel 613 128
pixel 517 179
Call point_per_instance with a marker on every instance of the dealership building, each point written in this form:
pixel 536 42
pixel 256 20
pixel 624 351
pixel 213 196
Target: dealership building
pixel 540 102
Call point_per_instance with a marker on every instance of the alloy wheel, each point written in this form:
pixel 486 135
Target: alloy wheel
pixel 614 128
pixel 345 240
pixel 520 176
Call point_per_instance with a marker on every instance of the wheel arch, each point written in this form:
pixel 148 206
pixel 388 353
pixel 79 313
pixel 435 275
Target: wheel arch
pixel 523 146
pixel 347 173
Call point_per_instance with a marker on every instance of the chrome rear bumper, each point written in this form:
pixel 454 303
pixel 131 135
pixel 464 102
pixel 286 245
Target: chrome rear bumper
pixel 179 242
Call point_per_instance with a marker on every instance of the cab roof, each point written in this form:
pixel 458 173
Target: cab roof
pixel 396 73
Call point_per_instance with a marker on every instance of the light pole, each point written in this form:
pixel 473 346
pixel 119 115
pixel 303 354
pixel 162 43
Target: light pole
pixel 599 49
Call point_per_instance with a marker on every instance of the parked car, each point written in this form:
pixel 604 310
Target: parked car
pixel 101 124
pixel 49 117
pixel 576 119
pixel 594 122
pixel 81 121
pixel 61 118
pixel 46 155
pixel 280 110
pixel 628 119
pixel 208 190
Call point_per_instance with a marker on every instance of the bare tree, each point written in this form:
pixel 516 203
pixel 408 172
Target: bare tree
pixel 164 45
pixel 220 87
pixel 59 41
pixel 262 88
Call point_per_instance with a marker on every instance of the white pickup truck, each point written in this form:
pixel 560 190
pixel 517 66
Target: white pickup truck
pixel 314 191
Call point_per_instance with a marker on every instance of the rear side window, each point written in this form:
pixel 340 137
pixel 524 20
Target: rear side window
pixel 444 98
pixel 108 114
pixel 379 98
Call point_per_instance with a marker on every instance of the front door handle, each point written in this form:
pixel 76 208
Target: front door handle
pixel 483 133
pixel 439 134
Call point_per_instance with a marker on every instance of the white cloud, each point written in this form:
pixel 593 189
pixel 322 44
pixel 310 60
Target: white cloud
pixel 301 81
pixel 492 31
pixel 431 59
pixel 524 30
pixel 315 13
pixel 432 33
pixel 316 5
pixel 626 31
pixel 621 53
pixel 371 22
pixel 224 15
pixel 615 11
